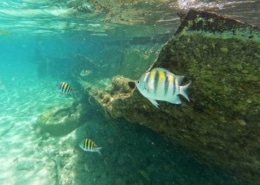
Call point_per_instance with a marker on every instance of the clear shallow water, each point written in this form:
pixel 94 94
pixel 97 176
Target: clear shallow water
pixel 131 154
pixel 109 18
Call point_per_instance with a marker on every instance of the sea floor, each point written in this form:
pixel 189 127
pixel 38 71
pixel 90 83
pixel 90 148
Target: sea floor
pixel 131 154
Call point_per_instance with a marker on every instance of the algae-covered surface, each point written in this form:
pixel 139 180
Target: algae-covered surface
pixel 223 116
pixel 220 126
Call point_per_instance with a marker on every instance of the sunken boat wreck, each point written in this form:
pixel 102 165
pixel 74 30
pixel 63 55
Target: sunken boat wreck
pixel 220 125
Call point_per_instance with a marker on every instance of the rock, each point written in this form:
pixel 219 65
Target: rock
pixel 220 126
pixel 60 120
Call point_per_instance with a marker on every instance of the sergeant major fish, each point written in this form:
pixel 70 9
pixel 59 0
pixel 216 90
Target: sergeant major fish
pixel 161 84
pixel 65 88
pixel 89 146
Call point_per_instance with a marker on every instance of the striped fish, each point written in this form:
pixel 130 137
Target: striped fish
pixel 89 146
pixel 161 84
pixel 65 88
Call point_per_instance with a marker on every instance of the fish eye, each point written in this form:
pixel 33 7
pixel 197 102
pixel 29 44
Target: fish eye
pixel 131 85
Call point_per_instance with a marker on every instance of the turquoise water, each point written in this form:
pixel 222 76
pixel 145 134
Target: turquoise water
pixel 36 53
pixel 131 154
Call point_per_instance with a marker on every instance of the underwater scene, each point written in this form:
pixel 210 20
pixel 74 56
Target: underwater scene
pixel 129 92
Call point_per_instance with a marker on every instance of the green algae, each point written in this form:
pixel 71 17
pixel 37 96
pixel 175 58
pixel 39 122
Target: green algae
pixel 220 126
pixel 225 88
pixel 218 77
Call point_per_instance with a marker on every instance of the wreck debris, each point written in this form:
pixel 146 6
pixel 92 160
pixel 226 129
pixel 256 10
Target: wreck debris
pixel 220 56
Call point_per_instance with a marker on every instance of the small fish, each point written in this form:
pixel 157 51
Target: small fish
pixel 65 88
pixel 161 84
pixel 89 146
pixel 85 72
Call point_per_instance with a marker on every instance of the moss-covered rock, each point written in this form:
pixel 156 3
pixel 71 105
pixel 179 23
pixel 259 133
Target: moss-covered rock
pixel 60 120
pixel 221 124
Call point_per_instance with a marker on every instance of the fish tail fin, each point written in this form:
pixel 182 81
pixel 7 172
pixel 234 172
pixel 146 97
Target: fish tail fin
pixel 183 91
pixel 98 150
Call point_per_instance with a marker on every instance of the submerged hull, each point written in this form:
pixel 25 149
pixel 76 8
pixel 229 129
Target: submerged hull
pixel 220 125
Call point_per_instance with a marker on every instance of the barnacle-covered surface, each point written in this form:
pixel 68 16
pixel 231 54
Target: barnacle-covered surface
pixel 214 24
pixel 112 95
pixel 221 124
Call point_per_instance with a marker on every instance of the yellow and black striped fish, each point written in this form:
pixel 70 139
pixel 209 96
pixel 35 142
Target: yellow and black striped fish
pixel 89 146
pixel 65 88
pixel 161 84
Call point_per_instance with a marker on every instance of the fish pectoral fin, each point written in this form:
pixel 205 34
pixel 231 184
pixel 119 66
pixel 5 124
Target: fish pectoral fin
pixel 154 102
